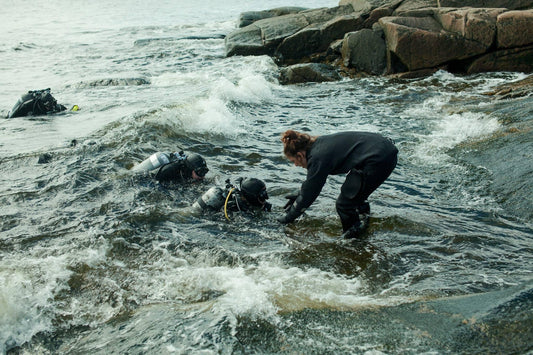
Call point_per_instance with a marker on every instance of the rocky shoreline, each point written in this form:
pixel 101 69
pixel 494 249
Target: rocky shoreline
pixel 403 38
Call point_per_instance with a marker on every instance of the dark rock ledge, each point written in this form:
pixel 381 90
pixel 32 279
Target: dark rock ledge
pixel 404 38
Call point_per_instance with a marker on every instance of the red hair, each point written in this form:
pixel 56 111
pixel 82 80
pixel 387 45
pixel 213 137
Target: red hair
pixel 294 142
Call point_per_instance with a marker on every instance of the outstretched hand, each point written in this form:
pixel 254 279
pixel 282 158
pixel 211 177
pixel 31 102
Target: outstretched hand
pixel 284 219
pixel 291 198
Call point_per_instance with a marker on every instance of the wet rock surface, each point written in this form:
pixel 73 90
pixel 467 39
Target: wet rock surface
pixel 405 36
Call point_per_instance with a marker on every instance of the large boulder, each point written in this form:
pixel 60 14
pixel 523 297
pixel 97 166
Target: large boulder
pixel 478 25
pixel 376 14
pixel 508 4
pixel 366 51
pixel 263 36
pixel 249 17
pixel 317 38
pixel 421 42
pixel 515 29
pixel 368 5
pixel 421 4
pixel 417 36
pixel 308 72
pixel 275 29
pixel 516 59
pixel 246 41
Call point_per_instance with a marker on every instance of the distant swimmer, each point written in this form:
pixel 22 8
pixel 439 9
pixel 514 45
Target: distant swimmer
pixel 249 197
pixel 174 167
pixel 367 158
pixel 35 103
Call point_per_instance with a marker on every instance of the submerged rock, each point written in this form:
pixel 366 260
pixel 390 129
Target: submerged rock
pixel 309 72
pixel 520 88
pixel 44 158
pixel 114 82
pixel 505 154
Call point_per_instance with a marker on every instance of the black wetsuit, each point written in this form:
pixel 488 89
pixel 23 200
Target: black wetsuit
pixel 34 103
pixel 368 158
pixel 175 171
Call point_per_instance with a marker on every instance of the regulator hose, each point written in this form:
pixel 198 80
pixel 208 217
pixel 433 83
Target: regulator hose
pixel 226 203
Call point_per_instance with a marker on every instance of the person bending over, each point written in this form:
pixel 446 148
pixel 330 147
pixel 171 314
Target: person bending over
pixel 174 167
pixel 367 158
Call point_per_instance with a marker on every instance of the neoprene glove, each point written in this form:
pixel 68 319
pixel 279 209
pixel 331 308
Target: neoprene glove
pixel 285 219
pixel 289 217
pixel 291 198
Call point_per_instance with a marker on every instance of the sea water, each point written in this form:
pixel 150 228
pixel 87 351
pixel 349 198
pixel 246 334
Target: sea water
pixel 96 259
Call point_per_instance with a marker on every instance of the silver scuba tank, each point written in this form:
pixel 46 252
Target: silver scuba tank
pixel 154 161
pixel 212 199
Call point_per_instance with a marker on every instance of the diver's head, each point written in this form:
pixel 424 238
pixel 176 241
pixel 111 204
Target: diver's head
pixel 48 101
pixel 197 165
pixel 254 191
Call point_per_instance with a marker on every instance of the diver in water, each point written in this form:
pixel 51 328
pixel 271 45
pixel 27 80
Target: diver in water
pixel 36 102
pixel 249 197
pixel 174 167
pixel 367 158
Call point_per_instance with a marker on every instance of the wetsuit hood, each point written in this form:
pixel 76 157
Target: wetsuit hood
pixel 254 191
pixel 195 162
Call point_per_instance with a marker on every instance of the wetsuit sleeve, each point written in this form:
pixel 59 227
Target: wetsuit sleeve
pixel 317 174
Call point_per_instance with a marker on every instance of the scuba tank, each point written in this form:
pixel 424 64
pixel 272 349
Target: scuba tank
pixel 23 106
pixel 212 199
pixel 249 197
pixel 156 160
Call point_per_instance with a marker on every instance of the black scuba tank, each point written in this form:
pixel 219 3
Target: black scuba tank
pixel 23 107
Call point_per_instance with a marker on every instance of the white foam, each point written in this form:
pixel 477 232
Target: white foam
pixel 256 291
pixel 453 130
pixel 27 286
pixel 30 285
pixel 211 107
pixel 252 89
pixel 479 83
pixel 444 77
pixel 430 108
pixel 213 114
